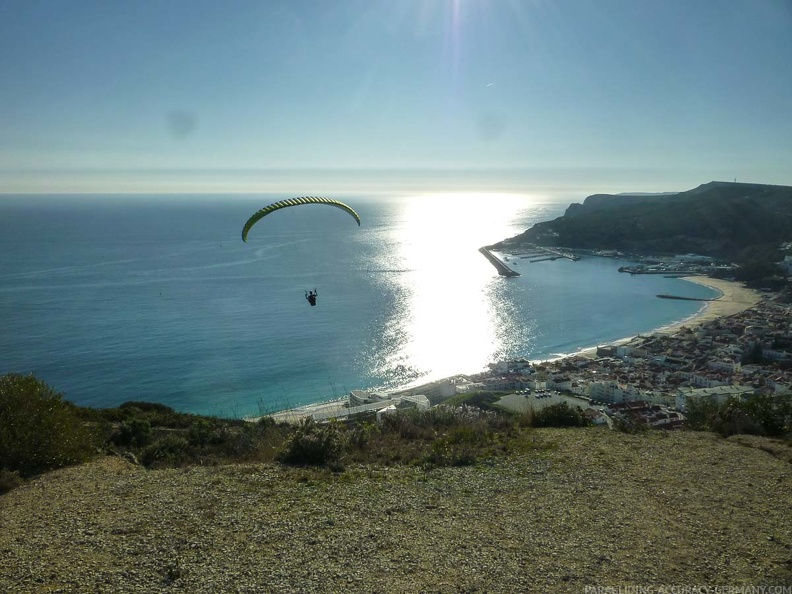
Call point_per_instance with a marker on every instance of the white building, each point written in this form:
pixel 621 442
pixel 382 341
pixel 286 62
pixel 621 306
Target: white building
pixel 700 381
pixel 378 407
pixel 724 365
pixel 607 391
pixel 615 393
pixel 719 394
pixel 360 397
pixel 779 384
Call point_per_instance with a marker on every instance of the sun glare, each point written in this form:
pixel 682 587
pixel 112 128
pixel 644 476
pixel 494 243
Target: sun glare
pixel 451 329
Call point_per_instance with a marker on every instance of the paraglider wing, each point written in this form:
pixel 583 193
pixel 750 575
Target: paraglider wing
pixel 258 215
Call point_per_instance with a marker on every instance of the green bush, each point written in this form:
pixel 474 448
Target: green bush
pixel 8 480
pixel 700 413
pixel 758 415
pixel 417 424
pixel 133 433
pixel 629 424
pixel 445 435
pixel 38 430
pixel 202 432
pixel 559 415
pixel 242 443
pixel 360 434
pixel 159 415
pixel 171 450
pixel 773 414
pixel 313 444
pixel 446 452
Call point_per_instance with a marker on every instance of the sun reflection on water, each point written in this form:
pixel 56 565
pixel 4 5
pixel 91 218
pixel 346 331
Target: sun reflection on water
pixel 450 316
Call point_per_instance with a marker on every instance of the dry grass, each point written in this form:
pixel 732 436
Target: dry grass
pixel 565 509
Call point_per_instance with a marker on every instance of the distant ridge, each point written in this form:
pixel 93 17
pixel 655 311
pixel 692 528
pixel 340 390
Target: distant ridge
pixel 717 219
pixel 646 193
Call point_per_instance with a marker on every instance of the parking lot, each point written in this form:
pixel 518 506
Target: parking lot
pixel 526 400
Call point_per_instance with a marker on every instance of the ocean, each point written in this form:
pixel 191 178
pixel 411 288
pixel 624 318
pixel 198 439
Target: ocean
pixel 156 297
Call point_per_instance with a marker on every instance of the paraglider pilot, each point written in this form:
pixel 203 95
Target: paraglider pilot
pixel 311 297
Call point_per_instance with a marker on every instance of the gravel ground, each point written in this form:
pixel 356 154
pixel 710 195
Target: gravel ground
pixel 572 508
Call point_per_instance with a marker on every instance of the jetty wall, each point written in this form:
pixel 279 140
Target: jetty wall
pixel 502 269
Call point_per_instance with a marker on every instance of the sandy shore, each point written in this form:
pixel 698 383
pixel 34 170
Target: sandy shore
pixel 734 298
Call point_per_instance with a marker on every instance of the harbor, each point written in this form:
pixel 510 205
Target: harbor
pixel 536 253
pixel 533 253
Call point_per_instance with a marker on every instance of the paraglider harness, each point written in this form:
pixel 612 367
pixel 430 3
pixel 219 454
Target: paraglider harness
pixel 311 297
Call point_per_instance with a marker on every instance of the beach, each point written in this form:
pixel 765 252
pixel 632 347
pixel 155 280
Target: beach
pixel 734 299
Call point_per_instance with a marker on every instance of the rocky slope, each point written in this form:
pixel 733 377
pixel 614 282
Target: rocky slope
pixel 566 509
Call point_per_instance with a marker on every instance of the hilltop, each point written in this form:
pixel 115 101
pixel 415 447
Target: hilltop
pixel 718 219
pixel 567 508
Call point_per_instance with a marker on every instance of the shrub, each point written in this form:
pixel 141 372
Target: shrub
pixel 266 422
pixel 202 432
pixel 312 444
pixel 759 415
pixel 630 424
pixel 526 418
pixel 445 435
pixel 149 407
pixel 444 452
pixel 159 415
pixel 360 434
pixel 559 415
pixel 38 430
pixel 773 414
pixel 242 443
pixel 734 417
pixel 700 413
pixel 171 450
pixel 407 425
pixel 135 433
pixel 8 480
pixel 415 424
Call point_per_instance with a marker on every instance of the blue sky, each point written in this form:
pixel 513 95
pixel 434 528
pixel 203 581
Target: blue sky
pixel 300 96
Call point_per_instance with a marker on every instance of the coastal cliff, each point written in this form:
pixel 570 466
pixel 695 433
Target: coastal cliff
pixel 718 219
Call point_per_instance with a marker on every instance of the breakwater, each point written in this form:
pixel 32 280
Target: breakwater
pixel 667 296
pixel 499 265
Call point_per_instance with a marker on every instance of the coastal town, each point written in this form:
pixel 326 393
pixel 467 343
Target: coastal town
pixel 649 379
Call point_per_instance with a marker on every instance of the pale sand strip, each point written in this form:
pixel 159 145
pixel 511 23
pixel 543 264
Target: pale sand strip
pixel 734 299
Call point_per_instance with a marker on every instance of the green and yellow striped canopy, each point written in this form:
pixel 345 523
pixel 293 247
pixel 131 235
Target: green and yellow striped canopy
pixel 258 215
